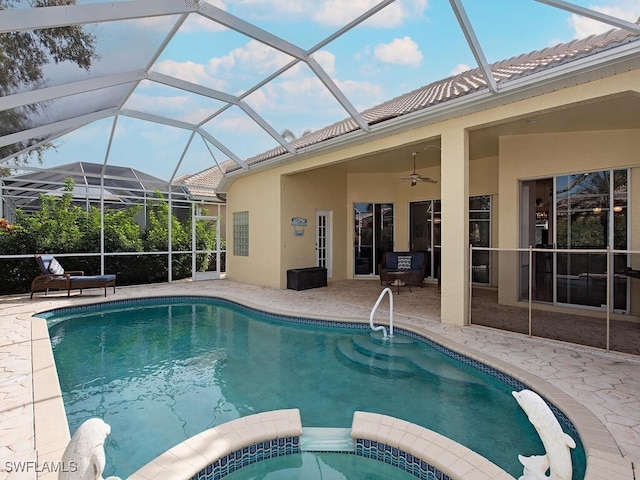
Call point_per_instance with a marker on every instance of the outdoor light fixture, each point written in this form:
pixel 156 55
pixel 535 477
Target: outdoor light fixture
pixel 617 209
pixel 597 209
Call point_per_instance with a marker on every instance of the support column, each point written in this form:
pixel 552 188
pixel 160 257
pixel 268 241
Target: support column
pixel 454 300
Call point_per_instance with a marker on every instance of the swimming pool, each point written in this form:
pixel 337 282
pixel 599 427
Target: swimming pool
pixel 161 370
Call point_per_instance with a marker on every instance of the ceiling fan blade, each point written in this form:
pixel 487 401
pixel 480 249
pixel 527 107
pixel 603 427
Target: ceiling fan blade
pixel 427 179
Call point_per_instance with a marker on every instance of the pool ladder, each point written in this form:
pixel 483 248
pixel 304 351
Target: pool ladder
pixel 373 311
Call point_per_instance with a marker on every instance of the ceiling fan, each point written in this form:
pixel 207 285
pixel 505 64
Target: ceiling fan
pixel 414 178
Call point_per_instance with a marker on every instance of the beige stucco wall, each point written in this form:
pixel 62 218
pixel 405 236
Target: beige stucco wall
pixel 302 195
pixel 525 157
pixel 260 196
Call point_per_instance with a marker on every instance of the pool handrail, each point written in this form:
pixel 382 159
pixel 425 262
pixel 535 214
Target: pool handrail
pixel 373 311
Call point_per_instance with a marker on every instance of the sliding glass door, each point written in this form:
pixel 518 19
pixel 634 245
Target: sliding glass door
pixel 425 228
pixel 424 223
pixel 373 235
pixel 584 211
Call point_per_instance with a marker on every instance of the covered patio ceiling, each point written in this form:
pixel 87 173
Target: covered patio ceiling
pixel 70 99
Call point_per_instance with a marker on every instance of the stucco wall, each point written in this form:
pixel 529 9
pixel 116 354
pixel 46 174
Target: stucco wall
pixel 302 195
pixel 260 196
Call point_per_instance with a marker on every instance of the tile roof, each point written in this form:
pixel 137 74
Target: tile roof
pixel 459 85
pixel 203 184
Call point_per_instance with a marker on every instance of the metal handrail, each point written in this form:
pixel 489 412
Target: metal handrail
pixel 373 311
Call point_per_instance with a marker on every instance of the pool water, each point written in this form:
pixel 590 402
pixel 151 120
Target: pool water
pixel 320 466
pixel 159 373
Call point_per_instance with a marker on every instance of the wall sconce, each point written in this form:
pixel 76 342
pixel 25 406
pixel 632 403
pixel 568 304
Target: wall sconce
pixel 617 209
pixel 597 209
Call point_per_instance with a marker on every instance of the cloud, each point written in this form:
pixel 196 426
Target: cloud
pixel 401 51
pixel 330 13
pixel 624 9
pixel 460 68
pixel 300 92
pixel 252 57
pixel 273 9
pixel 339 12
pixel 363 94
pixel 189 71
pixel 327 61
pixel 156 103
pixel 234 122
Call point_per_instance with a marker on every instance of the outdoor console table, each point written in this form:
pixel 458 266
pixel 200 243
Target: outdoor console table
pixel 304 278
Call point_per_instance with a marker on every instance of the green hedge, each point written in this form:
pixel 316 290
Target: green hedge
pixel 61 227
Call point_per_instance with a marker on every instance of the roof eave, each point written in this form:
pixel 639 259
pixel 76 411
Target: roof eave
pixel 599 65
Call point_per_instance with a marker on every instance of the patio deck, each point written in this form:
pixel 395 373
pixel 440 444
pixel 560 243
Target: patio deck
pixel 602 389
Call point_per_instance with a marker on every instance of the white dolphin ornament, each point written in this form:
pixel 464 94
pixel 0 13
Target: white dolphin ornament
pixel 84 457
pixel 556 443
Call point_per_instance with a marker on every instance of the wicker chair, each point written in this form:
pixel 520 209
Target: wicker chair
pixel 392 262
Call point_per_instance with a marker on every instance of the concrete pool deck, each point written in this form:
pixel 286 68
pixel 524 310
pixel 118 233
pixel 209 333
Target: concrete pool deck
pixel 598 390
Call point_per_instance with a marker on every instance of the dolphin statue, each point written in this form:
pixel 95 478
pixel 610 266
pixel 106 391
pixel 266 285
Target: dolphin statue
pixel 557 444
pixel 84 458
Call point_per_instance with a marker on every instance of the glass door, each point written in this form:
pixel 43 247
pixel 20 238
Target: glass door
pixel 583 211
pixel 424 222
pixel 373 235
pixel 425 225
pixel 208 256
pixel 590 209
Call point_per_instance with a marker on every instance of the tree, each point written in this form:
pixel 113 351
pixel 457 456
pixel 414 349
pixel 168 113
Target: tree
pixel 23 56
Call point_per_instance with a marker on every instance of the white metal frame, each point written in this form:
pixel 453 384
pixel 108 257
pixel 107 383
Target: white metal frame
pixel 13 20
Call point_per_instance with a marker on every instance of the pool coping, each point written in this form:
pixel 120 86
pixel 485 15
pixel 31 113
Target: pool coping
pixel 603 455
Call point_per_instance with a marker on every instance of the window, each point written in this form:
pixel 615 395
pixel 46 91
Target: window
pixel 241 234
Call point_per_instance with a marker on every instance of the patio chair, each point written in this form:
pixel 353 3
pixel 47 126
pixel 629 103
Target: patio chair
pixel 54 277
pixel 414 265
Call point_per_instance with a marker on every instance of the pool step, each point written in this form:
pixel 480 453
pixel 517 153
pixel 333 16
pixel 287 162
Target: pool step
pixel 384 364
pixel 400 356
pixel 321 439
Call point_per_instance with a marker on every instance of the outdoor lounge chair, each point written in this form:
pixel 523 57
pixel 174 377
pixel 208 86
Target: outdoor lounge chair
pixel 54 277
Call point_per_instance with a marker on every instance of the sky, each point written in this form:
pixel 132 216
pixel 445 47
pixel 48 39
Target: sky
pixel 408 44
